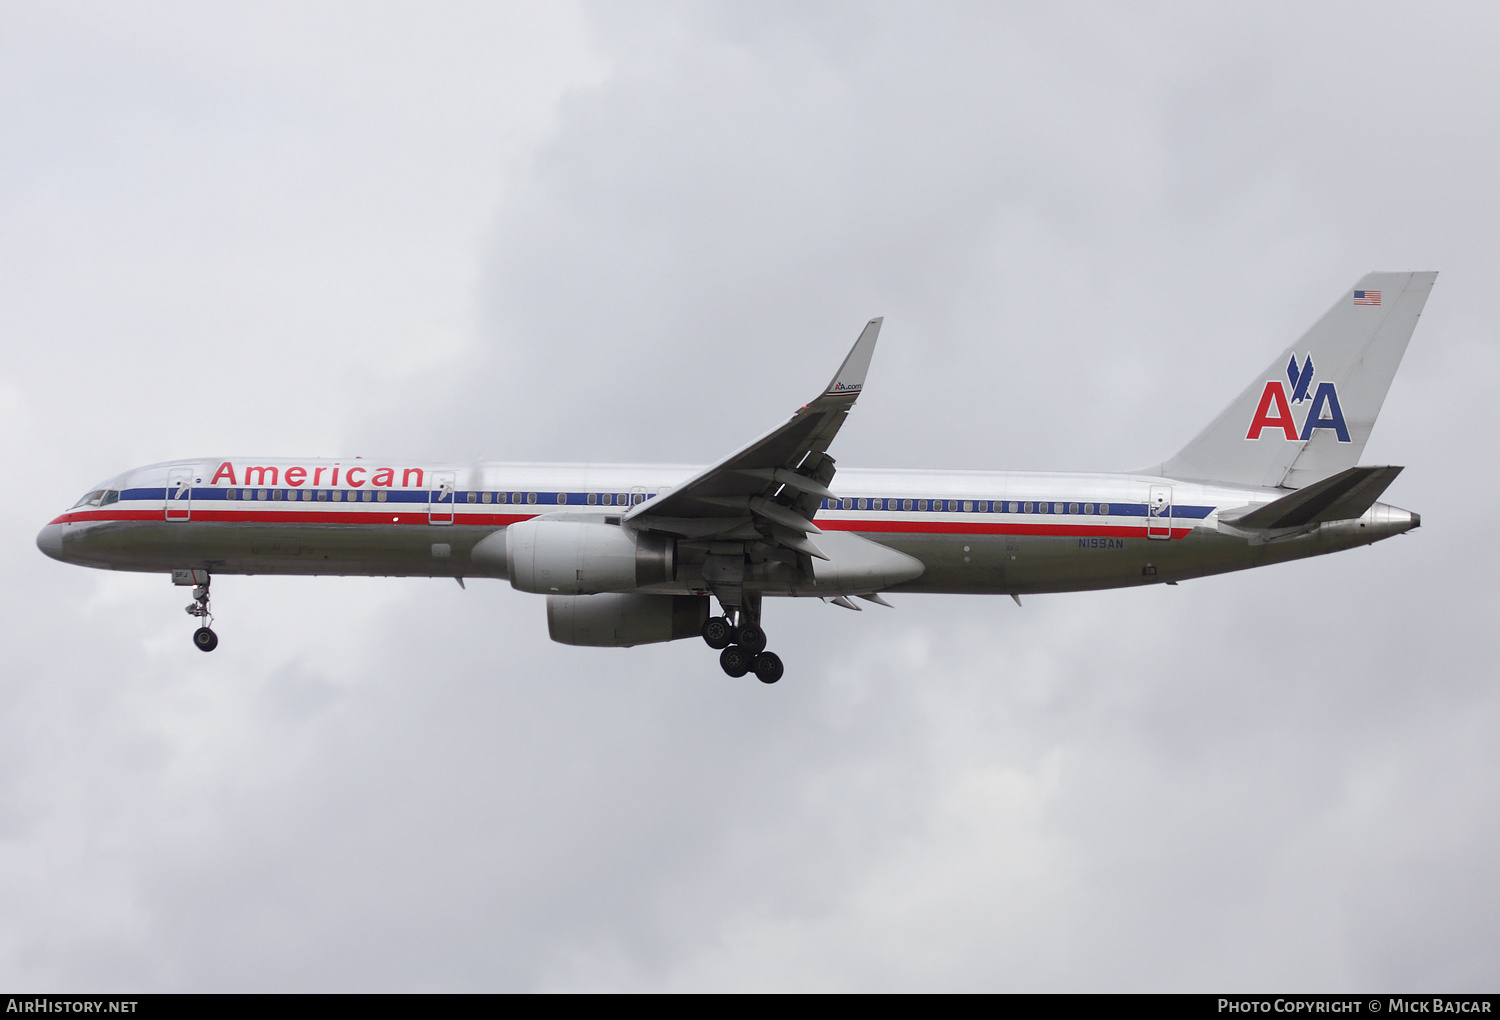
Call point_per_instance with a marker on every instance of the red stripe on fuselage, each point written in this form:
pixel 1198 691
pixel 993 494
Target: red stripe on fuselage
pixel 420 517
pixel 380 516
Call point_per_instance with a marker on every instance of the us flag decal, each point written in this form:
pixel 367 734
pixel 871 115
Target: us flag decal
pixel 1367 297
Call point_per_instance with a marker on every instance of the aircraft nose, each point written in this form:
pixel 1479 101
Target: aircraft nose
pixel 49 540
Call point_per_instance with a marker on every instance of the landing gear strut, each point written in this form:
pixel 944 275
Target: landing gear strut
pixel 738 633
pixel 204 639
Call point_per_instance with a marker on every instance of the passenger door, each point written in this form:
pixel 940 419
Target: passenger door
pixel 440 498
pixel 1159 512
pixel 179 494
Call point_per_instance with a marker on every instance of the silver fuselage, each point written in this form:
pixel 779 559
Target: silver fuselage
pixel 974 532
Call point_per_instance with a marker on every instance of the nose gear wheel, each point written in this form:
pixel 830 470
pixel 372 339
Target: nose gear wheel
pixel 204 639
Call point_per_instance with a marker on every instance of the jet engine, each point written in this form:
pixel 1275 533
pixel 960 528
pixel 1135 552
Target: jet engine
pixel 619 621
pixel 562 557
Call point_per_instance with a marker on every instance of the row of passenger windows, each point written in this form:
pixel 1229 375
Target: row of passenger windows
pixel 382 495
pixel 308 495
pixel 968 506
pixel 626 499
pixel 591 498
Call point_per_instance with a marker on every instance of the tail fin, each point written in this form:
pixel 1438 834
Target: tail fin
pixel 1308 415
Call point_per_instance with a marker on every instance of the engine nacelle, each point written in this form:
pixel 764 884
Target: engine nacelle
pixel 562 557
pixel 619 621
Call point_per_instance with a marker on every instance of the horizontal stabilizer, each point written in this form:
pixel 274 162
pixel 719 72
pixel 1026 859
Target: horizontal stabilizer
pixel 1341 497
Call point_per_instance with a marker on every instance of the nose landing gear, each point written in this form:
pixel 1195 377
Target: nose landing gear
pixel 204 639
pixel 743 643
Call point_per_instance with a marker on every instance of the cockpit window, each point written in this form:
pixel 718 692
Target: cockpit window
pixel 90 499
pixel 110 496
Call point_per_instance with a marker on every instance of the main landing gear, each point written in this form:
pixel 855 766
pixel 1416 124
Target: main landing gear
pixel 744 647
pixel 204 639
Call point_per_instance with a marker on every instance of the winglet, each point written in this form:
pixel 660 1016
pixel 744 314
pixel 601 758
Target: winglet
pixel 850 378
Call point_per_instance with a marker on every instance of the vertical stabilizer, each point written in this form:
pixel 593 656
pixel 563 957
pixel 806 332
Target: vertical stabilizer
pixel 1309 414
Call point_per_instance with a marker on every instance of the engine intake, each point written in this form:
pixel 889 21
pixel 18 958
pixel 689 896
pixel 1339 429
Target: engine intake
pixel 552 557
pixel 619 621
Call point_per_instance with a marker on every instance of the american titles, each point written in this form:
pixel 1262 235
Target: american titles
pixel 354 476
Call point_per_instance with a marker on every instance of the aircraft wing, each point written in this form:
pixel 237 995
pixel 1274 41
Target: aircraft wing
pixel 771 490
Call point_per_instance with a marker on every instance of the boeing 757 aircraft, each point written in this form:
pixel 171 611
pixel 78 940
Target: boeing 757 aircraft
pixel 629 554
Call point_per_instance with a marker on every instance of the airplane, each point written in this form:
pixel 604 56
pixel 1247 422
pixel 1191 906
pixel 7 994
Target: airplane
pixel 632 554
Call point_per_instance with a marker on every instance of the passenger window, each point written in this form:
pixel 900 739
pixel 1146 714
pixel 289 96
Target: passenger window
pixel 921 504
pixel 531 497
pixel 562 497
pixel 1088 508
pixel 1028 507
pixel 1104 508
pixel 968 506
pixel 382 494
pixel 322 495
pixel 338 495
pixel 263 495
pixel 906 504
pixel 486 497
pixel 231 493
pixel 592 499
pixel 863 504
pixel 1014 508
pixel 276 494
pixel 472 497
pixel 1072 508
pixel 848 504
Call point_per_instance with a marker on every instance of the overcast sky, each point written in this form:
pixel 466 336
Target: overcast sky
pixel 648 232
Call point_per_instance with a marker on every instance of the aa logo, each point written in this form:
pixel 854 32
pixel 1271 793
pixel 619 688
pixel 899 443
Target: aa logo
pixel 1275 410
